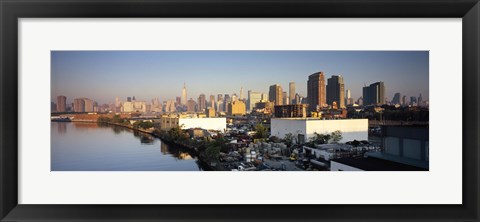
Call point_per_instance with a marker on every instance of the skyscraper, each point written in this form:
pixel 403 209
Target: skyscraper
pixel 316 91
pixel 265 96
pixel 61 104
pixel 191 105
pixel 275 94
pixel 234 97
pixel 413 100
pixel 79 105
pixel 241 93
pixel 184 94
pixel 202 103
pixel 88 105
pixel 336 91
pixel 420 100
pixel 253 97
pixel 374 94
pixel 170 106
pixel 348 99
pixel 226 100
pixel 220 106
pixel 396 99
pixel 117 102
pixel 285 98
pixel 298 99
pixel 212 101
pixel 404 100
pixel 178 100
pixel 291 92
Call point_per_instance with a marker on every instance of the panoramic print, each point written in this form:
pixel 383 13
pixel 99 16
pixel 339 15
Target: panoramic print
pixel 239 110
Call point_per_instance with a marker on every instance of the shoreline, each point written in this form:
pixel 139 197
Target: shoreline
pixel 163 139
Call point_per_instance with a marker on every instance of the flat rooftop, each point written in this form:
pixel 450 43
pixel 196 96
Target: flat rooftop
pixel 399 159
pixel 375 164
pixel 313 119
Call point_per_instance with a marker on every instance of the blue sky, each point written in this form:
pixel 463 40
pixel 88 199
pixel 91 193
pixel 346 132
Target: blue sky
pixel 103 75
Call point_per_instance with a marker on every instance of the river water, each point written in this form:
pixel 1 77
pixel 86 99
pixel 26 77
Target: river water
pixel 79 146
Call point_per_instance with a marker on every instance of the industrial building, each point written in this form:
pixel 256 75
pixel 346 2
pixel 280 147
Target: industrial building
pixel 193 121
pixel 404 148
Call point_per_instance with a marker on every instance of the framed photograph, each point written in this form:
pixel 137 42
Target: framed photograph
pixel 226 110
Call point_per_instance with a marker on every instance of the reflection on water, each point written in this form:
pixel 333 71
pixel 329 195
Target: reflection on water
pixel 144 137
pixel 100 147
pixel 62 127
pixel 184 156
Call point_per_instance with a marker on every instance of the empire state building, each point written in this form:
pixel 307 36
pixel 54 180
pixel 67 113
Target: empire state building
pixel 184 95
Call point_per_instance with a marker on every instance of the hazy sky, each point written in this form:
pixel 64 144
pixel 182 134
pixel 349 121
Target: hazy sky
pixel 103 75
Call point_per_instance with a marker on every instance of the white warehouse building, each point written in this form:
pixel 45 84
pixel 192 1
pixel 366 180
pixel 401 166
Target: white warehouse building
pixel 352 129
pixel 217 123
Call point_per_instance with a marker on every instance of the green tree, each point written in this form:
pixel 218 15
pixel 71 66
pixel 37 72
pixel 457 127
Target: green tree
pixel 336 136
pixel 117 119
pixel 145 125
pixel 261 131
pixel 222 143
pixel 212 152
pixel 326 138
pixel 320 138
pixel 174 133
pixel 104 119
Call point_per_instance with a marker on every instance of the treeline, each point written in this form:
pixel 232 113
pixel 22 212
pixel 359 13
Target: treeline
pixel 208 148
pixel 123 121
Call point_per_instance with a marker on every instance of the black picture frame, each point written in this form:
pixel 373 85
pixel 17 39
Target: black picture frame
pixel 11 11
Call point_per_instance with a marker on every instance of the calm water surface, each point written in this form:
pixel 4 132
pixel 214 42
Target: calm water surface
pixel 96 147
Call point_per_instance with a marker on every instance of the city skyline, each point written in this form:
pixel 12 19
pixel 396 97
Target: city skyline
pixel 104 75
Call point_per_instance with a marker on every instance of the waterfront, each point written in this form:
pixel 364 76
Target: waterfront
pixel 219 116
pixel 96 147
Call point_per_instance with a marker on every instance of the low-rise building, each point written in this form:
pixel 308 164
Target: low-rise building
pixel 404 148
pixel 210 112
pixel 291 111
pixel 334 113
pixel 406 141
pixel 169 121
pixel 237 108
pixel 196 132
pixel 264 107
pixel 193 121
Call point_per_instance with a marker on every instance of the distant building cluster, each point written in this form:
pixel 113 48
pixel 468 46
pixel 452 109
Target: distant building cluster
pixel 325 130
pixel 326 98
